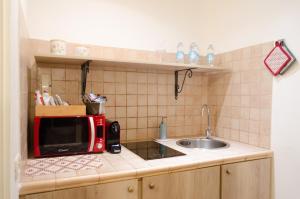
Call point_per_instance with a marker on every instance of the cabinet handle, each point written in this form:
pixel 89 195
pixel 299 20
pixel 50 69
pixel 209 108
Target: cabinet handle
pixel 151 186
pixel 130 189
pixel 228 172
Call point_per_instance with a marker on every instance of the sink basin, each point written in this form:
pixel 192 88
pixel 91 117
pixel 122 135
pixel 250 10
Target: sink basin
pixel 202 143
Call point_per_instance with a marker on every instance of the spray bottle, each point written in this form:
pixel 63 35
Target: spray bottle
pixel 163 129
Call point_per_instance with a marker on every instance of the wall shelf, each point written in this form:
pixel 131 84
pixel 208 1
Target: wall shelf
pixel 118 63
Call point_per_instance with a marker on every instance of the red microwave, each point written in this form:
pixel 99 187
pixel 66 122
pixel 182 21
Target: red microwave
pixel 67 135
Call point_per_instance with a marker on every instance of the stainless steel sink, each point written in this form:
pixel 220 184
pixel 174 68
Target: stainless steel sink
pixel 202 143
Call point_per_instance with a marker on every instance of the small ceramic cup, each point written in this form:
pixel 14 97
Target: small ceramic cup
pixel 58 47
pixel 82 51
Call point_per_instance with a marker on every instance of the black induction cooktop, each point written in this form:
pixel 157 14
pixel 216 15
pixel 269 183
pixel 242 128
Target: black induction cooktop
pixel 150 150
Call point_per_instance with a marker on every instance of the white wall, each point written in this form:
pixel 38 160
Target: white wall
pixel 151 25
pixel 160 24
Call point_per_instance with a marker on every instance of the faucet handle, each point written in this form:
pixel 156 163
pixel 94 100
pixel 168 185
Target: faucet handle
pixel 208 133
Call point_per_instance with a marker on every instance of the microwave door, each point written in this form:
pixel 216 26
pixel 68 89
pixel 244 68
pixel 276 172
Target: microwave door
pixel 66 135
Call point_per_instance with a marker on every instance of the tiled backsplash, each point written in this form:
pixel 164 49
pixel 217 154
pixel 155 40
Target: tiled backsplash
pixel 240 99
pixel 138 100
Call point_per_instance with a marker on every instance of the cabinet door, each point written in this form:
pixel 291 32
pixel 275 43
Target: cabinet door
pixel 116 190
pixel 46 195
pixel 124 189
pixel 156 187
pixel 247 180
pixel 196 184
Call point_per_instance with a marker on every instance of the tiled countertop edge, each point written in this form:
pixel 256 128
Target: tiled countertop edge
pixel 53 183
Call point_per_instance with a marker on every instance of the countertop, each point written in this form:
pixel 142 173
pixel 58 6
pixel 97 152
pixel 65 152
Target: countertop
pixel 127 165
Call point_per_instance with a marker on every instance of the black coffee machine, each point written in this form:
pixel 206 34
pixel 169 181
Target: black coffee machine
pixel 112 136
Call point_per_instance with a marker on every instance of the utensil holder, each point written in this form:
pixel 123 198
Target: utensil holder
pixel 94 108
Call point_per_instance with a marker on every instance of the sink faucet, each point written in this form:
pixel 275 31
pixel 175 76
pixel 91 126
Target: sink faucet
pixel 208 129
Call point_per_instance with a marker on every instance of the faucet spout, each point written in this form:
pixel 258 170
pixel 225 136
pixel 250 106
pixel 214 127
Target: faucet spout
pixel 208 129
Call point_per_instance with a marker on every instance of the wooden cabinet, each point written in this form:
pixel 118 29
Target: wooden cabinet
pixel 247 180
pixel 196 184
pixel 242 180
pixel 46 195
pixel 117 190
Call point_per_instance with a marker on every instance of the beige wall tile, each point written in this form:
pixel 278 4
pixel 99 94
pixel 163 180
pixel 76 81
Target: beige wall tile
pixel 72 99
pixel 120 88
pixel 162 100
pixel 123 135
pixel 98 88
pixel 244 137
pixel 132 111
pixel 131 88
pixel 121 112
pixel 96 75
pixel 152 100
pixel 109 76
pixel 162 90
pixel 142 78
pixel 162 111
pixel 58 87
pixel 121 77
pixel 244 125
pixel 142 111
pixel 152 122
pixel 121 100
pixel 254 114
pixel 142 134
pixel 254 126
pixel 123 122
pixel 109 88
pixel 58 73
pixel 239 95
pixel 152 78
pixel 235 135
pixel 142 89
pixel 73 74
pixel 153 133
pixel 152 110
pixel 162 79
pixel 254 139
pixel 72 87
pixel 131 134
pixel 131 123
pixel 132 77
pixel 110 112
pixel 152 89
pixel 142 122
pixel 132 100
pixel 142 100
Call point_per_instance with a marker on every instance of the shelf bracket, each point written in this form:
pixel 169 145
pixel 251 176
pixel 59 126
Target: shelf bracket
pixel 85 68
pixel 178 89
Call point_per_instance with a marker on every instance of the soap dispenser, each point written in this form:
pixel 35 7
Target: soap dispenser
pixel 163 129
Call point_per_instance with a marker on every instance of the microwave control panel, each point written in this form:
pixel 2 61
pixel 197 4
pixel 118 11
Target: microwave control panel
pixel 99 145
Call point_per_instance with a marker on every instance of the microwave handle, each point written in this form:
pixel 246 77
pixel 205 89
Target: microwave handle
pixel 93 134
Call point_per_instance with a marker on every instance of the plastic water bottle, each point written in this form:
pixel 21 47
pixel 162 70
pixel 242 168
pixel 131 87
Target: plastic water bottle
pixel 194 53
pixel 180 53
pixel 210 55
